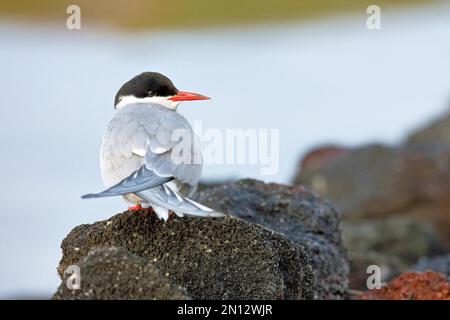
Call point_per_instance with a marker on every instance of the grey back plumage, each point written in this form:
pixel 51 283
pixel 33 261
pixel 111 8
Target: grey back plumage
pixel 150 154
pixel 158 133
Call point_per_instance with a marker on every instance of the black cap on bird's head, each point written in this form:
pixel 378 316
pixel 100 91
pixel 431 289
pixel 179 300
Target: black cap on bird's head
pixel 154 87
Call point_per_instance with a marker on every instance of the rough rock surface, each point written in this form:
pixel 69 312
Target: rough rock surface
pixel 394 245
pixel 115 273
pixel 413 286
pixel 383 183
pixel 377 182
pixel 437 133
pixel 439 264
pixel 302 217
pixel 224 258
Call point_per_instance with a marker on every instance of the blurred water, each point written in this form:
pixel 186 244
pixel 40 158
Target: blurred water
pixel 333 81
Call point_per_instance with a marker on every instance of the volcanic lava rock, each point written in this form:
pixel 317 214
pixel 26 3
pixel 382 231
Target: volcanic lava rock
pixel 413 286
pixel 302 217
pixel 439 264
pixel 376 181
pixel 372 181
pixel 393 244
pixel 115 273
pixel 391 198
pixel 438 133
pixel 222 258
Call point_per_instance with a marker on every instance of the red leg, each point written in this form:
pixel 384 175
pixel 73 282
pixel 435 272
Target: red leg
pixel 135 208
pixel 140 208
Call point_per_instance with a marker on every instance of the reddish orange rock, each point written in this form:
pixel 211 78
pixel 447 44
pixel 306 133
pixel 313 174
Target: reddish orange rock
pixel 413 286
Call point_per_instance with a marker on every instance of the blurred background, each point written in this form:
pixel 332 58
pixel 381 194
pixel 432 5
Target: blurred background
pixel 312 69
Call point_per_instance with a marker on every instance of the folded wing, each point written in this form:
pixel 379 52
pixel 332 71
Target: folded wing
pixel 141 179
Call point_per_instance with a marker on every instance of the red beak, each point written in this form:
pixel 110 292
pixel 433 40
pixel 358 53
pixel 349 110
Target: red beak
pixel 188 96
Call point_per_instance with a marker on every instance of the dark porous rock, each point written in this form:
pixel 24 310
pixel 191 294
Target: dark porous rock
pixel 438 133
pixel 439 264
pixel 394 200
pixel 209 184
pixel 394 245
pixel 377 181
pixel 222 258
pixel 366 182
pixel 293 211
pixel 115 273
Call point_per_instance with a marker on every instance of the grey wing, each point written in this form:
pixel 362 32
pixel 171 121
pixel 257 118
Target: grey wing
pixel 140 180
pixel 151 187
pixel 183 162
pixel 174 150
pixel 151 136
pixel 165 143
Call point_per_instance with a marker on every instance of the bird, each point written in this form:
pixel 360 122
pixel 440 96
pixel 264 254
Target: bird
pixel 150 154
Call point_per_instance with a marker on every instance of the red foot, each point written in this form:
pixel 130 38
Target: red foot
pixel 135 208
pixel 140 208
